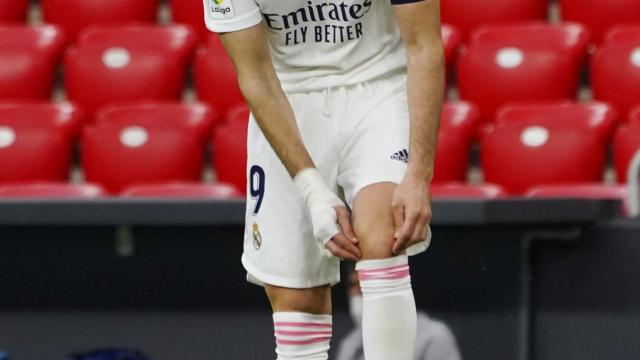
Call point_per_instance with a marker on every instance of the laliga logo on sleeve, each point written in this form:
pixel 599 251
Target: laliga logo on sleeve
pixel 221 9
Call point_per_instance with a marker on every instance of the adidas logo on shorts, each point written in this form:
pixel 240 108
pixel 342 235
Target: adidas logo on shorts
pixel 402 155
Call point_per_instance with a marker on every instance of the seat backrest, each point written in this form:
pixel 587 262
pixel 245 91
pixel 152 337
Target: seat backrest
pixel 600 15
pixel 230 155
pixel 520 156
pixel 239 113
pixel 117 155
pixel 451 40
pixel 191 13
pixel 215 77
pixel 76 15
pixel 626 145
pixel 13 10
pixel 564 37
pixel 28 59
pixel 119 65
pixel 30 154
pixel 460 117
pixel 452 156
pixel 595 116
pixel 634 116
pixel 502 66
pixel 176 41
pixel 196 117
pixel 469 14
pixel 65 118
pixel 615 71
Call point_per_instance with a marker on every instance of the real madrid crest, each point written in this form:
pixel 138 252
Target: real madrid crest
pixel 257 238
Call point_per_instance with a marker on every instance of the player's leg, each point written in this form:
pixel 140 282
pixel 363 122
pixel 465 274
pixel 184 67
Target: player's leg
pixel 389 310
pixel 302 322
pixel 373 160
pixel 280 251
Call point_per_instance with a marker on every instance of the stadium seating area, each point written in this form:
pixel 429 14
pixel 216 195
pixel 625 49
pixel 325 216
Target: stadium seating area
pixel 136 98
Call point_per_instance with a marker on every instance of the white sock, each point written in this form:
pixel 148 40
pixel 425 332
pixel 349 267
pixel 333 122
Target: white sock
pixel 389 309
pixel 301 336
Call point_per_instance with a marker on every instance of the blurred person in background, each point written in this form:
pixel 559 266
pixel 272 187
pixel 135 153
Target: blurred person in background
pixel 434 339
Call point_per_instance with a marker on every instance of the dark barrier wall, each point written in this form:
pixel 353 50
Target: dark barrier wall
pixel 179 292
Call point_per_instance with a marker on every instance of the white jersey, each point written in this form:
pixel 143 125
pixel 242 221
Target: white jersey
pixel 318 44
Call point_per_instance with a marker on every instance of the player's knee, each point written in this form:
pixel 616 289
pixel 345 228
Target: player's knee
pixel 376 239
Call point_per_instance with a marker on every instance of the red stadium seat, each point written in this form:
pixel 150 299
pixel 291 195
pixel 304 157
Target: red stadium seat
pixel 114 65
pixel 239 114
pixel 230 155
pixel 51 190
pixel 119 155
pixel 460 117
pixel 182 190
pixel 519 156
pixel 75 15
pixel 452 157
pixel 451 39
pixel 600 15
pixel 215 77
pixel 615 71
pixel 63 117
pixel 466 15
pixel 581 191
pixel 33 154
pixel 198 118
pixel 190 13
pixel 634 116
pixel 13 10
pixel 625 146
pixel 465 191
pixel 598 117
pixel 521 62
pixel 28 60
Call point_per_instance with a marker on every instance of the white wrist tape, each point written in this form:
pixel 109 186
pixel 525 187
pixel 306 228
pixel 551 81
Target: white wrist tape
pixel 321 203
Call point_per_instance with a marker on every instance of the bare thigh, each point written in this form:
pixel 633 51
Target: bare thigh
pixel 312 301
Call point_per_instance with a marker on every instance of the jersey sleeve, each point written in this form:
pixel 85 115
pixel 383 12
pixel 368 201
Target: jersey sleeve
pixel 231 15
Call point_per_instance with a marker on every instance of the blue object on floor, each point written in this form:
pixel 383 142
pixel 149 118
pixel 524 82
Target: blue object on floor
pixel 108 354
pixel 4 355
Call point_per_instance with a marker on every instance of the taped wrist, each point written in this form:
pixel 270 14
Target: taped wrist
pixel 321 203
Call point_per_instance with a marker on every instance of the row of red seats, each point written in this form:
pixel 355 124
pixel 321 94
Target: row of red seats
pixel 75 15
pixel 502 64
pixel 193 190
pixel 528 145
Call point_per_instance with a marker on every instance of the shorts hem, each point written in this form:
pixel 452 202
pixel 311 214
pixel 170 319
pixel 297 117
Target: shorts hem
pixel 260 278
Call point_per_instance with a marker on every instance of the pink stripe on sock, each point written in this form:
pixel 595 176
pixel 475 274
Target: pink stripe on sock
pixel 388 268
pixel 301 333
pixel 302 342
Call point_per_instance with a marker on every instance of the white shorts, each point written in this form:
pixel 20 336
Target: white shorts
pixel 357 136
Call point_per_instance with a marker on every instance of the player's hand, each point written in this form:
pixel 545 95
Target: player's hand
pixel 329 217
pixel 411 207
pixel 344 244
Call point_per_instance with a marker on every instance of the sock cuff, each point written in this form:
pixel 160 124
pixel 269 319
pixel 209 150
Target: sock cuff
pixel 396 268
pixel 299 330
pixel 377 264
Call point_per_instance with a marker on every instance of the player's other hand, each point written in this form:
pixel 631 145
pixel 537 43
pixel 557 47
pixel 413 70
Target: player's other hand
pixel 344 244
pixel 411 207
